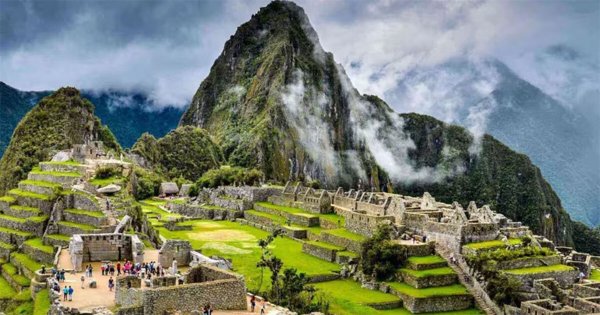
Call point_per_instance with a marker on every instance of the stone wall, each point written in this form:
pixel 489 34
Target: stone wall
pixel 175 250
pixel 85 219
pixel 107 246
pixel 249 193
pixel 295 218
pixel 270 227
pixel 526 262
pixel 128 297
pixel 348 244
pixel 564 278
pixel 25 225
pixel 322 252
pixel 436 304
pixel 361 223
pixel 430 281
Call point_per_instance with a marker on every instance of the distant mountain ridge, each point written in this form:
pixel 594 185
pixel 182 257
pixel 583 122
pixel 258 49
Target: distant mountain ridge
pixel 275 100
pixel 127 114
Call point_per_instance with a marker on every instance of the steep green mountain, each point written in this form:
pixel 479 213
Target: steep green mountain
pixel 56 123
pixel 275 100
pixel 128 115
pixel 185 152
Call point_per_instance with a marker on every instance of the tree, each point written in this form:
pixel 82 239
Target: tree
pixel 379 256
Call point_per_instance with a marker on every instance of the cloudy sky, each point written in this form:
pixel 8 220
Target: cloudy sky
pixel 166 48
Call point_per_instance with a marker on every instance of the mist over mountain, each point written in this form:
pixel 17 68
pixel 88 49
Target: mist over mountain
pixel 127 114
pixel 486 96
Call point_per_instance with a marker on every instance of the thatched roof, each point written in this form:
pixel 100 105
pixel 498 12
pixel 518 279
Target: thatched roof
pixel 168 188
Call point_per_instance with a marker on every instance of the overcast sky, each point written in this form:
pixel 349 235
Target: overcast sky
pixel 165 48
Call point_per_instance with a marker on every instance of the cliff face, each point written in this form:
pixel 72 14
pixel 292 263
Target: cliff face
pixel 275 100
pixel 57 122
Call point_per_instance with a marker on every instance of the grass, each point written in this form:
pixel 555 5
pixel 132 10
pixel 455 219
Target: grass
pixel 444 271
pixel 56 174
pixel 37 243
pixel 328 216
pixel 325 245
pixel 6 291
pixel 151 206
pixel 493 244
pixel 450 290
pixel 24 208
pixel 8 199
pixel 26 261
pixel 28 194
pixel 41 305
pixel 81 226
pixel 23 309
pixel 90 213
pixel 541 269
pixel 345 234
pixel 41 183
pixel 60 237
pixel 595 275
pixel 16 232
pixel 7 246
pixel 11 218
pixel 11 270
pixel 107 181
pixel 239 243
pixel 69 162
pixel 425 260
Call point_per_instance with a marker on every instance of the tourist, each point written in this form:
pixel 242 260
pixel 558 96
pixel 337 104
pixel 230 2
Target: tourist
pixel 111 284
pixel 581 276
pixel 128 284
pixel 263 308
pixel 70 293
pixel 252 303
pixel 111 268
pixel 62 275
pixel 82 282
pixel 65 293
pixel 118 268
pixel 43 269
pixel 91 270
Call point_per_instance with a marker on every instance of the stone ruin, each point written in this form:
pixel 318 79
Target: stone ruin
pixel 175 251
pixel 202 284
pixel 105 246
pixel 313 200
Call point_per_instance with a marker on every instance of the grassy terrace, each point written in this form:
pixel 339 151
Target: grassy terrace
pixel 37 171
pixel 70 162
pixel 345 234
pixel 6 291
pixel 150 206
pixel 28 194
pixel 107 181
pixel 59 237
pixel 455 289
pixel 277 219
pixel 33 210
pixel 95 214
pixel 426 260
pixel 15 232
pixel 429 272
pixel 8 199
pixel 41 305
pixel 7 246
pixel 239 243
pixel 38 244
pixel 23 220
pixel 85 227
pixel 595 275
pixel 19 279
pixel 41 183
pixel 325 245
pixel 493 244
pixel 542 269
pixel 329 216
pixel 26 261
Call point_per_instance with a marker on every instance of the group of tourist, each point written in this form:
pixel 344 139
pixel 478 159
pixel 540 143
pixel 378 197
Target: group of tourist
pixel 263 308
pixel 59 276
pixel 67 291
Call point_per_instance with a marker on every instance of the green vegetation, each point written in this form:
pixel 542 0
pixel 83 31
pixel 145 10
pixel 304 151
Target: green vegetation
pixel 68 163
pixel 55 123
pixel 425 260
pixel 346 234
pixel 145 184
pixel 107 181
pixel 185 152
pixel 53 173
pixel 455 289
pixel 6 291
pixel 11 270
pixel 28 194
pixel 541 269
pixel 7 246
pixel 586 239
pixel 332 217
pixel 595 275
pixel 482 258
pixel 39 244
pixel 8 199
pixel 429 272
pixel 33 210
pixel 41 183
pixel 25 261
pixel 16 232
pixel 59 237
pixel 90 213
pixel 379 256
pixel 81 226
pixel 41 303
pixel 228 175
pixel 325 245
pixel 493 244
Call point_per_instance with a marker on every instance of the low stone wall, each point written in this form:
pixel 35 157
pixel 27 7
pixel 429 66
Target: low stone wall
pixel 81 200
pixel 5 253
pixel 85 219
pixel 386 305
pixel 348 244
pixel 38 189
pixel 423 249
pixel 299 219
pixel 324 253
pixel 64 181
pixel 72 230
pixel 53 167
pixel 479 232
pixel 526 262
pixel 436 304
pixel 24 225
pixel 426 266
pixel 323 277
pixel 10 238
pixel 430 281
pixel 39 255
pixel 586 290
pixel 564 278
pixel 329 225
pixel 588 305
pixel 44 205
pixel 288 231
pixel 230 203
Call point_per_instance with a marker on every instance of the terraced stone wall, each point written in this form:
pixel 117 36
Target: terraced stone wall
pixel 527 262
pixel 324 253
pixel 363 224
pixel 436 304
pixel 479 232
pixel 564 278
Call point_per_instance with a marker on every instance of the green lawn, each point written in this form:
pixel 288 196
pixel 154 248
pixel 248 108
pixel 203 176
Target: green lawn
pixel 57 174
pixel 239 243
pixel 42 303
pixel 95 214
pixel 595 275
pixel 28 194
pixel 19 279
pixel 325 245
pixel 16 232
pixel 107 181
pixel 429 272
pixel 329 216
pixel 25 261
pixel 8 199
pixel 150 206
pixel 7 246
pixel 541 269
pixel 41 183
pixel 34 211
pixel 493 244
pixel 6 291
pixel 425 260
pixel 59 237
pixel 345 234
pixel 37 243
pixel 455 289
pixel 69 162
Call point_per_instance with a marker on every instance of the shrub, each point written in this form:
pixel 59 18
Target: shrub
pixel 380 257
pixel 145 184
pixel 227 175
pixel 107 172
